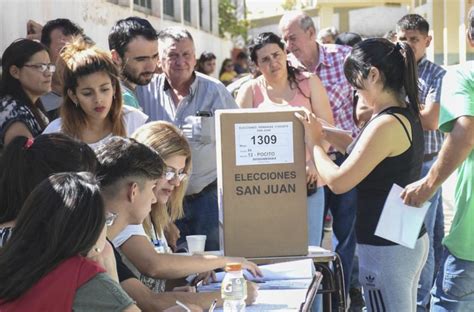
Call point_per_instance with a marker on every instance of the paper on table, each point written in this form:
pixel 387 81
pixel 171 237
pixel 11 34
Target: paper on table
pixel 398 222
pixel 300 269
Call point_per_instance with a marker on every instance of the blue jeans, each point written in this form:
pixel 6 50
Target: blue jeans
pixel 343 209
pixel 454 285
pixel 426 278
pixel 201 217
pixel 315 204
pixel 438 237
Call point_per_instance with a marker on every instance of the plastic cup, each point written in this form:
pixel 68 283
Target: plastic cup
pixel 196 243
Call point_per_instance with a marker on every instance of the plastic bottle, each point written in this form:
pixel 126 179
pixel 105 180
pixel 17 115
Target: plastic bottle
pixel 234 288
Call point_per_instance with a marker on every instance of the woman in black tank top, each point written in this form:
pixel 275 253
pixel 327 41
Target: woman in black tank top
pixel 388 150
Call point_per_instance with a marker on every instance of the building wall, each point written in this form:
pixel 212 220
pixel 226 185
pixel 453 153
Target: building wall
pixel 98 16
pixel 375 21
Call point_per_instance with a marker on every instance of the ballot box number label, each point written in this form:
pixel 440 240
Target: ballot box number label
pixel 263 143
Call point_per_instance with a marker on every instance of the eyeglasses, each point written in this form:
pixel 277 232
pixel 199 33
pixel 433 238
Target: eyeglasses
pixel 110 218
pixel 171 174
pixel 42 67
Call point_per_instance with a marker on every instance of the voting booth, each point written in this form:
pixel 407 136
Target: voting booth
pixel 261 183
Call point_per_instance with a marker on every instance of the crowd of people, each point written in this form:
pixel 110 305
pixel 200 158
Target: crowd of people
pixel 108 162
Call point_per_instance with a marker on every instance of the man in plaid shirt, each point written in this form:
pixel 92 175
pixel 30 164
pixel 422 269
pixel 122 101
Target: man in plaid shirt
pixel 413 29
pixel 326 61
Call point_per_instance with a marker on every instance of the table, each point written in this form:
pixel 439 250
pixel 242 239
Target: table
pixel 279 299
pixel 333 278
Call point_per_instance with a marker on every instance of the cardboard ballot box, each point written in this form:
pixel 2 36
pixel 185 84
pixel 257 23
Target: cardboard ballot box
pixel 261 183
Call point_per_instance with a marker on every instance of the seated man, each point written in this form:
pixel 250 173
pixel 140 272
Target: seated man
pixel 129 172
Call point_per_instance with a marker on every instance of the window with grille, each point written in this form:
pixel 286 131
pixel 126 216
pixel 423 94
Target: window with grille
pixel 168 7
pixel 143 3
pixel 187 10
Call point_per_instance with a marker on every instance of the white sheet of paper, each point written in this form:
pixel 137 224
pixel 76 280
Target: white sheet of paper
pixel 264 143
pixel 398 222
pixel 301 269
pixel 337 130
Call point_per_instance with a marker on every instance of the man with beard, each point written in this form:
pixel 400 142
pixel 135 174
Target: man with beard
pixel 133 43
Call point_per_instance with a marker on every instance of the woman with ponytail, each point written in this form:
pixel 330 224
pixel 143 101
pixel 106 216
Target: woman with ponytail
pixel 92 110
pixel 282 86
pixel 26 162
pixel 388 150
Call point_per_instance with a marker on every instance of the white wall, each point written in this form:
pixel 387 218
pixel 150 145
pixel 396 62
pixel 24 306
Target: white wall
pixel 96 17
pixel 375 21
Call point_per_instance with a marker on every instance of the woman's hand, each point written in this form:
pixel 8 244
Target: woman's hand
pixel 205 277
pixel 311 172
pixel 252 293
pixel 247 265
pixel 313 130
pixel 172 235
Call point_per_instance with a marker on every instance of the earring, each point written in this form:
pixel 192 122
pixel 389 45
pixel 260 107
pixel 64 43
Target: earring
pixel 97 249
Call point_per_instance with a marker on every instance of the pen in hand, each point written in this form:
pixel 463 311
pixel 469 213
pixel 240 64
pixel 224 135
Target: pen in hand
pixel 182 305
pixel 213 306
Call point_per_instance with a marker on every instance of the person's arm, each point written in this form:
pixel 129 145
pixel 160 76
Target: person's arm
pixel 17 128
pixel 150 301
pixel 336 139
pixel 141 253
pixel 429 115
pixel 455 149
pixel 320 100
pixel 172 235
pixel 369 151
pixel 244 98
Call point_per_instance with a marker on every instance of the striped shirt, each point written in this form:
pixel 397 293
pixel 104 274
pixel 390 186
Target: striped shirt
pixel 330 70
pixel 5 234
pixel 430 77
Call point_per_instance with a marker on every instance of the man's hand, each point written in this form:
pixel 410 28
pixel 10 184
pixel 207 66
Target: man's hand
pixel 417 193
pixel 33 30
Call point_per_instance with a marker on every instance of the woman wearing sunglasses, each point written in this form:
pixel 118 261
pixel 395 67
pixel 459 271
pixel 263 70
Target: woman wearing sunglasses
pixel 145 246
pixel 27 73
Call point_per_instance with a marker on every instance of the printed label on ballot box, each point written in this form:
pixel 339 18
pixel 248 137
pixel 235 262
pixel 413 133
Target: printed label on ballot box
pixel 263 143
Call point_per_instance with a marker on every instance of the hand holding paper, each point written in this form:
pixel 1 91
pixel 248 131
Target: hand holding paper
pixel 417 193
pixel 398 222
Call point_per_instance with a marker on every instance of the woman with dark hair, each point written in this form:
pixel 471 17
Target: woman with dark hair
pixel 388 150
pixel 26 75
pixel 206 63
pixel 227 73
pixel 26 162
pixel 283 86
pixel 47 264
pixel 93 110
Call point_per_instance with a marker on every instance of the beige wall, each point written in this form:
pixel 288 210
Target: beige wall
pixel 97 17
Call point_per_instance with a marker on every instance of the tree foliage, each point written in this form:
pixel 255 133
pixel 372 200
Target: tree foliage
pixel 229 23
